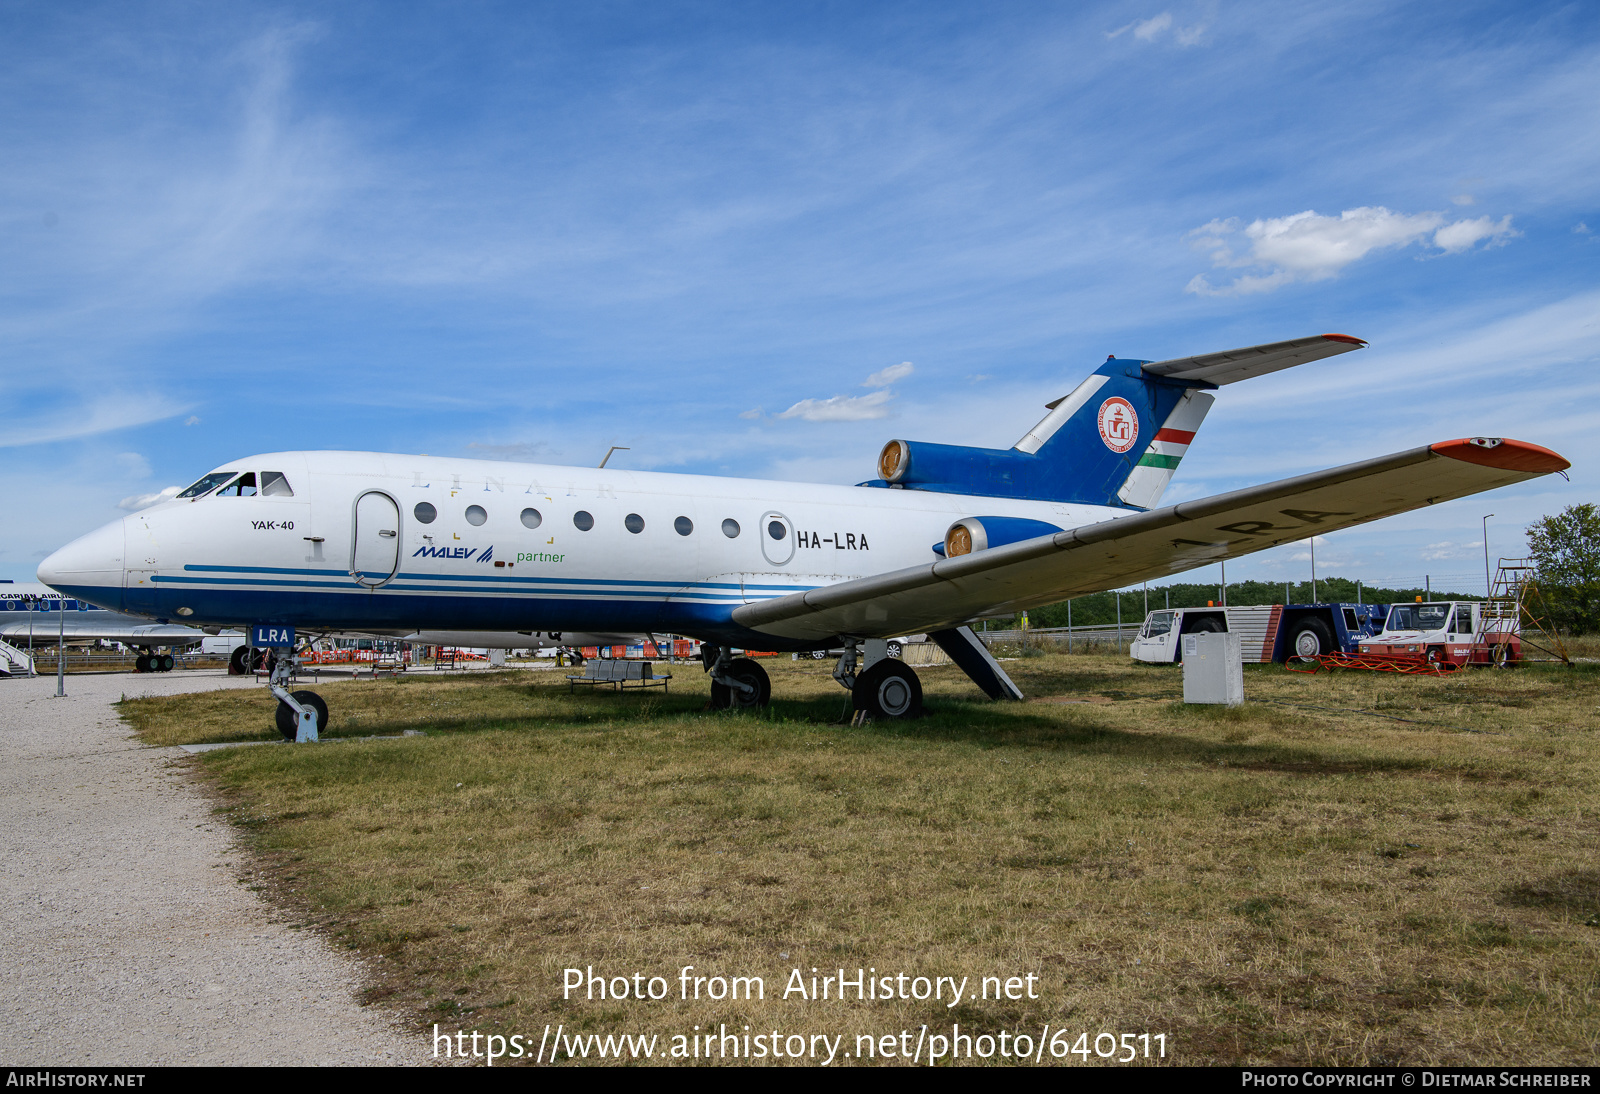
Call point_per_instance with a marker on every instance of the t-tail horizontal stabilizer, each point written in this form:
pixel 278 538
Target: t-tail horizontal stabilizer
pixel 974 658
pixel 1115 440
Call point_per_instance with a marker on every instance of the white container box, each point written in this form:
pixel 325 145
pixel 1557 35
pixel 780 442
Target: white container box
pixel 1213 668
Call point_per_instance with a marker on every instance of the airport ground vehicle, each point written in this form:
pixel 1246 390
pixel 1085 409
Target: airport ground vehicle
pixel 1269 632
pixel 1465 632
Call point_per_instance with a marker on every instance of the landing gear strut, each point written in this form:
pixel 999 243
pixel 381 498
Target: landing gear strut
pixel 737 683
pixel 302 715
pixel 886 688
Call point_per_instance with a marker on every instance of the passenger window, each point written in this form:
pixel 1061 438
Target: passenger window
pixel 776 529
pixel 425 512
pixel 531 518
pixel 476 515
pixel 582 520
pixel 275 485
pixel 730 528
pixel 683 526
pixel 634 523
pixel 242 487
pixel 206 484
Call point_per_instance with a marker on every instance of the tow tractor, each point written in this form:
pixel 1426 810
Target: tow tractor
pixel 1268 632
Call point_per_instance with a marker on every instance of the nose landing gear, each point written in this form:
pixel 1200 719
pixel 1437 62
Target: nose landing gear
pixel 302 715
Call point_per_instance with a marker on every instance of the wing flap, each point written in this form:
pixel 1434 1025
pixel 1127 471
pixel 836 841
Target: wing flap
pixel 1159 543
pixel 1231 366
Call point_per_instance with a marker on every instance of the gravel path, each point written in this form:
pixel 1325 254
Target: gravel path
pixel 127 938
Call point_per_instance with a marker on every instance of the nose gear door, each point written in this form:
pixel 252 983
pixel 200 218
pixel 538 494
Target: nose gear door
pixel 375 542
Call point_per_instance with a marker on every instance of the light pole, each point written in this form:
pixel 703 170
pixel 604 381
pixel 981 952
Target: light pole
pixel 1488 582
pixel 61 649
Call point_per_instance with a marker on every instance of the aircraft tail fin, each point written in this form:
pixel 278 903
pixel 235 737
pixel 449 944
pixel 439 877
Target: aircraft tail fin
pixel 1115 440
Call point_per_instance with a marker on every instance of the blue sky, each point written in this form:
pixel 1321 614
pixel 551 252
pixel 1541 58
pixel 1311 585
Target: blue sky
pixel 535 231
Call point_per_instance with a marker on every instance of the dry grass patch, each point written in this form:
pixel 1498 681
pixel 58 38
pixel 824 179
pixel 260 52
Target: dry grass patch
pixel 1349 869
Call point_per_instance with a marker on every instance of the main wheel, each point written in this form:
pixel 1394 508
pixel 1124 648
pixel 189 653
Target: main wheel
pixel 888 689
pixel 746 671
pixel 289 724
pixel 239 661
pixel 1310 638
pixel 142 663
pixel 167 662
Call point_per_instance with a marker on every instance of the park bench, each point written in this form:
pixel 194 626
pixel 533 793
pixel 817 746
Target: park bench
pixel 619 674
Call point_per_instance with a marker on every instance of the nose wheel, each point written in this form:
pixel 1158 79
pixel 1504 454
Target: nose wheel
pixel 301 715
pixel 288 719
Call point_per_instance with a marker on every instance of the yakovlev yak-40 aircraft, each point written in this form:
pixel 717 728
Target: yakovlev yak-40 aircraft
pixel 357 541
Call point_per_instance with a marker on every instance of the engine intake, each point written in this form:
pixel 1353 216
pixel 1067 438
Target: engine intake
pixel 969 535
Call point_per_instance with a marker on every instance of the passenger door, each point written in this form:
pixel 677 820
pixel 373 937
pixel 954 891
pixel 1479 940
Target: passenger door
pixel 375 539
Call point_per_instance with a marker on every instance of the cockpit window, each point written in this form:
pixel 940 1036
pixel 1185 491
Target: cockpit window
pixel 275 485
pixel 242 487
pixel 210 482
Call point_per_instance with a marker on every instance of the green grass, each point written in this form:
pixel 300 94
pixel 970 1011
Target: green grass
pixel 1348 869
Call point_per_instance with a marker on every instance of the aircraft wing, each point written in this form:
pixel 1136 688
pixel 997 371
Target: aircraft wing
pixel 129 629
pixel 1233 365
pixel 1121 551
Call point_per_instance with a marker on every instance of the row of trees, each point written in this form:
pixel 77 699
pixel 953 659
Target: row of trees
pixel 1565 549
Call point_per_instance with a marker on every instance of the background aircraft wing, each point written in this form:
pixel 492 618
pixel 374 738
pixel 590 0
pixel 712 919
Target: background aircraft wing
pixel 129 629
pixel 1118 552
pixel 1233 365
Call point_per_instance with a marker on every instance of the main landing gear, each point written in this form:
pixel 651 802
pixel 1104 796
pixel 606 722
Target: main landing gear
pixel 302 715
pixel 886 688
pixel 737 683
pixel 148 661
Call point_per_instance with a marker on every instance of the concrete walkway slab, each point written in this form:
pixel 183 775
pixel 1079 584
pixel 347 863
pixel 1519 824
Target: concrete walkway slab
pixel 128 939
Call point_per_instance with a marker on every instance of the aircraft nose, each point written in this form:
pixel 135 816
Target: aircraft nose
pixel 89 568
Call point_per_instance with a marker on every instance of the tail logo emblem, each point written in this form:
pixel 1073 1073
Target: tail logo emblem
pixel 1119 424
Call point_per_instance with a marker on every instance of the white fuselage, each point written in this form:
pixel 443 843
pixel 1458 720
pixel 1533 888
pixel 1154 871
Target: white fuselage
pixel 506 548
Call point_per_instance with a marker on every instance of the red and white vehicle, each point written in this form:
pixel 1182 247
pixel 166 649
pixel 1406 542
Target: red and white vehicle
pixel 1465 632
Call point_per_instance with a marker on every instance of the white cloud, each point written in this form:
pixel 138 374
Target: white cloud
pixel 1464 234
pixel 192 419
pixel 105 415
pixel 523 451
pixel 1149 28
pixel 841 408
pixel 1464 199
pixel 851 408
pixel 1580 228
pixel 134 465
pixel 751 414
pixel 145 501
pixel 890 375
pixel 1310 247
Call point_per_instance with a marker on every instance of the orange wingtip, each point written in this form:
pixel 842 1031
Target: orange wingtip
pixel 1503 453
pixel 1345 338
